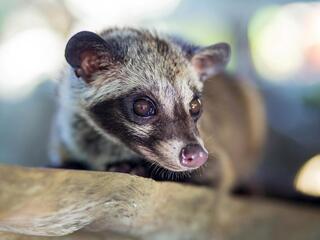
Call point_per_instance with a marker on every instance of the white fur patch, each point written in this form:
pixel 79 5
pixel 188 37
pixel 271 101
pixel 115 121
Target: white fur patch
pixel 184 86
pixel 142 131
pixel 170 150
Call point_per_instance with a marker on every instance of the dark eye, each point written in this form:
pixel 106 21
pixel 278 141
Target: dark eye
pixel 144 107
pixel 195 107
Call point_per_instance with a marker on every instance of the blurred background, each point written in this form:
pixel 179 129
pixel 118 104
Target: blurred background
pixel 275 43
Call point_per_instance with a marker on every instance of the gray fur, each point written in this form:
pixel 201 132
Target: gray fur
pixel 132 61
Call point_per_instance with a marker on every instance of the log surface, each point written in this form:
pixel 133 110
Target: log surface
pixel 66 204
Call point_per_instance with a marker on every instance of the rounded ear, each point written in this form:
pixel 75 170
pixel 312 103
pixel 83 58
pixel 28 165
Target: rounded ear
pixel 83 52
pixel 211 60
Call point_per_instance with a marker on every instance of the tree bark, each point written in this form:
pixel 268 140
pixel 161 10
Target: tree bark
pixel 103 205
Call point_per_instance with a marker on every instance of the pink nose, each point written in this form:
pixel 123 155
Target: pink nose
pixel 193 156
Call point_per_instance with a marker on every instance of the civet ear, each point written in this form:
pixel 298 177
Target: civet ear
pixel 87 52
pixel 211 60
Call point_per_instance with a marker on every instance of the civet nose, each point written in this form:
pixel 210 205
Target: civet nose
pixel 193 156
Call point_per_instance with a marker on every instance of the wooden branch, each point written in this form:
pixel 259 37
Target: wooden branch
pixel 80 235
pixel 46 202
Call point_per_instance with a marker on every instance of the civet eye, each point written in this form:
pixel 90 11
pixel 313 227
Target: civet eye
pixel 195 107
pixel 144 107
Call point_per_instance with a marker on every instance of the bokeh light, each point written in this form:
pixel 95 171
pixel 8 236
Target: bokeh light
pixel 26 58
pixel 308 178
pixel 276 43
pixel 97 14
pixel 285 40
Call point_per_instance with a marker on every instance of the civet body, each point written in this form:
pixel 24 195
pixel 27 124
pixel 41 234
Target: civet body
pixel 133 96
